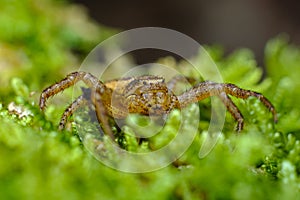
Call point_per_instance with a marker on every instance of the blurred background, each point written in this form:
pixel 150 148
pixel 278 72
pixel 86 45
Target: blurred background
pixel 231 23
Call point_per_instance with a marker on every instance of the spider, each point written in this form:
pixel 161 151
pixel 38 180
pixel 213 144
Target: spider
pixel 145 95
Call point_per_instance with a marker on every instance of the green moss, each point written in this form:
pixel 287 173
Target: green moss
pixel 38 38
pixel 37 161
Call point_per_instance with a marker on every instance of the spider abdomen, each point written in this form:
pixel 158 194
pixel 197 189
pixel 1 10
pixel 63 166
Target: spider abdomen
pixel 148 102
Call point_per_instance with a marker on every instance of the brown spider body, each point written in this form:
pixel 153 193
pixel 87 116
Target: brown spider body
pixel 146 95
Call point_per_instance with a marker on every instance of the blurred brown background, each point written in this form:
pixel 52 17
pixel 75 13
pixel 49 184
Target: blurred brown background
pixel 231 23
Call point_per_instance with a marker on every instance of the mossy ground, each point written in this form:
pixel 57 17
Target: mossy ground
pixel 37 48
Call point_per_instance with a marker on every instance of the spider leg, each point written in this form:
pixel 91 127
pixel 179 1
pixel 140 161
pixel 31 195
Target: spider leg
pixel 234 111
pixel 95 86
pixel 81 100
pixel 244 94
pixel 206 89
pixel 71 79
pixel 101 112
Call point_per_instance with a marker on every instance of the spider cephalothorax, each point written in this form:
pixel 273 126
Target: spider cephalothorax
pixel 145 95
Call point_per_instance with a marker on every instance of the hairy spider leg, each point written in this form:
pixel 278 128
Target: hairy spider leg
pixel 93 83
pixel 71 79
pixel 206 89
pixel 234 110
pixel 101 112
pixel 230 106
pixel 244 94
pixel 80 101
